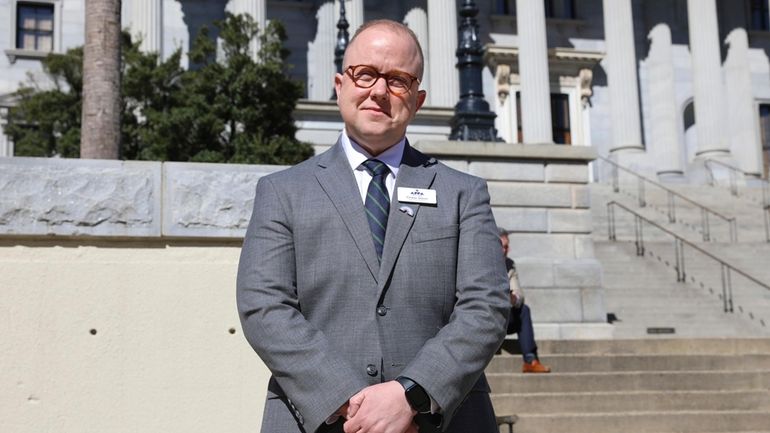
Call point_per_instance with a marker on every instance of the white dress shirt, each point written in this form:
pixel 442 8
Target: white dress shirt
pixel 357 155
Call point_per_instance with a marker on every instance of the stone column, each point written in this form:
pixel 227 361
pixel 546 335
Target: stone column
pixel 505 122
pixel 741 109
pixel 146 23
pixel 442 40
pixel 621 75
pixel 707 78
pixel 354 13
pixel 6 148
pixel 533 71
pixel 257 9
pixel 417 20
pixel 666 148
pixel 320 58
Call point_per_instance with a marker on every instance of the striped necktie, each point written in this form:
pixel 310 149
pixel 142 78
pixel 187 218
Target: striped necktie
pixel 377 203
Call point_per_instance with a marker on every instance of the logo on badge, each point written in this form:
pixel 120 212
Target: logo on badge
pixel 417 195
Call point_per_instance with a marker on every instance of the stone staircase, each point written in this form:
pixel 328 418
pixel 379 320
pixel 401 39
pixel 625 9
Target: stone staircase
pixel 678 362
pixel 638 386
pixel 645 292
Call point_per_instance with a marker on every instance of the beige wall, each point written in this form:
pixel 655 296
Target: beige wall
pixel 162 359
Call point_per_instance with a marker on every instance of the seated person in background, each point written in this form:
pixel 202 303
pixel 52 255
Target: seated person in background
pixel 520 320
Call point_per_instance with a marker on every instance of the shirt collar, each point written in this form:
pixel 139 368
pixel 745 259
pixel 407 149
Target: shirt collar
pixel 357 155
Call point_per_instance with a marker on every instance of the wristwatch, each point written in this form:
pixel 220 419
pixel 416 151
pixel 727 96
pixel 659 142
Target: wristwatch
pixel 417 397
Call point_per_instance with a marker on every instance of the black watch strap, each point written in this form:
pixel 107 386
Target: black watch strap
pixel 416 395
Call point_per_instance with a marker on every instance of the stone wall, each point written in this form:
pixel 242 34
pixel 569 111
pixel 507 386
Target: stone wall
pixel 540 194
pixel 74 197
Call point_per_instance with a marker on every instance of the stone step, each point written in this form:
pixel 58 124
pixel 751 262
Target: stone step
pixel 606 363
pixel 631 401
pixel 644 422
pixel 723 346
pixel 504 383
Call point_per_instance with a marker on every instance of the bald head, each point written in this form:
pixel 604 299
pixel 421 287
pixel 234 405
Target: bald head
pixel 392 26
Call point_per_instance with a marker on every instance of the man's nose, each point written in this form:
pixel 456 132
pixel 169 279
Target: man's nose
pixel 380 88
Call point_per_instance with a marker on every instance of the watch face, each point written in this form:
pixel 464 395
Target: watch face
pixel 415 394
pixel 418 398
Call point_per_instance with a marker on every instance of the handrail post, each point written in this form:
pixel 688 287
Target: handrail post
pixel 710 173
pixel 679 253
pixel 671 208
pixel 767 223
pixel 640 192
pixel 704 222
pixel 639 235
pixel 615 180
pixel 733 182
pixel 611 221
pixel 733 230
pixel 729 290
pixel 724 287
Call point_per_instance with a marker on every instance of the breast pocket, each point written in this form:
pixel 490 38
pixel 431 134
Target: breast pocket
pixel 435 234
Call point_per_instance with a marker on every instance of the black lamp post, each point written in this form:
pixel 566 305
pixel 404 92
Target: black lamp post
pixel 473 121
pixel 342 41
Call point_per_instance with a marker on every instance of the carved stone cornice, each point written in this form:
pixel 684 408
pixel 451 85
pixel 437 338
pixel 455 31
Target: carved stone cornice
pixel 565 66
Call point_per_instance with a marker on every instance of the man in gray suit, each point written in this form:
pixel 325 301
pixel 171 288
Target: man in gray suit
pixel 370 281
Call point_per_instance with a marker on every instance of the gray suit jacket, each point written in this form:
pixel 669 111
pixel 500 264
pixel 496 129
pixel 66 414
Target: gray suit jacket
pixel 328 320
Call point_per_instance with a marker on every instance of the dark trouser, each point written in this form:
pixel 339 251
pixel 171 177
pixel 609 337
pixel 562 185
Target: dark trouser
pixel 520 323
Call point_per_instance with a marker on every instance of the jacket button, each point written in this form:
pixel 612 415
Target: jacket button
pixel 371 370
pixel 382 310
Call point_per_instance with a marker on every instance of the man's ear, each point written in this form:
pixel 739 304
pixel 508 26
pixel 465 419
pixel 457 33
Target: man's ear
pixel 337 84
pixel 421 95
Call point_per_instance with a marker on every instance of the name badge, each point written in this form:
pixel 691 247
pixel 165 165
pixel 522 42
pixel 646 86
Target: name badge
pixel 417 195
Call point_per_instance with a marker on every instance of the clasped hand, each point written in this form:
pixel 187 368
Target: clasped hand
pixel 380 408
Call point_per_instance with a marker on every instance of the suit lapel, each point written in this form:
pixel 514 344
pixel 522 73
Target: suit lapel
pixel 415 171
pixel 338 182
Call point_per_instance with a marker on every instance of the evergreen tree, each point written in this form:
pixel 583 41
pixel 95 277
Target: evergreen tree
pixel 47 122
pixel 231 110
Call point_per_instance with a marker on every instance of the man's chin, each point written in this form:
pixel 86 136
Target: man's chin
pixel 376 143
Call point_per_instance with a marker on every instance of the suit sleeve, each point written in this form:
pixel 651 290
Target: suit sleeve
pixel 314 378
pixel 452 361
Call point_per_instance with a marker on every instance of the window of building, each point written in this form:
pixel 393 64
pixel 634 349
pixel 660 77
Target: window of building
pixel 759 15
pixel 34 26
pixel 505 7
pixel 764 129
pixel 560 120
pixel 559 9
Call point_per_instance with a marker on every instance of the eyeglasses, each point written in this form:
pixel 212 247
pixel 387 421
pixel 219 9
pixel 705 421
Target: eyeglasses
pixel 365 76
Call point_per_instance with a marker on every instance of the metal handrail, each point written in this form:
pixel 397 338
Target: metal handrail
pixel 705 210
pixel 734 189
pixel 679 244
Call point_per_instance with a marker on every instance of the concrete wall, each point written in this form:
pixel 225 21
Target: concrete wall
pixel 110 336
pixel 117 297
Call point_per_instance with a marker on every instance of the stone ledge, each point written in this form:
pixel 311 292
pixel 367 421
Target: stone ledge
pixel 209 200
pixel 506 151
pixel 573 331
pixel 81 198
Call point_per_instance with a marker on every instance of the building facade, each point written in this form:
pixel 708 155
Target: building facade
pixel 658 84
